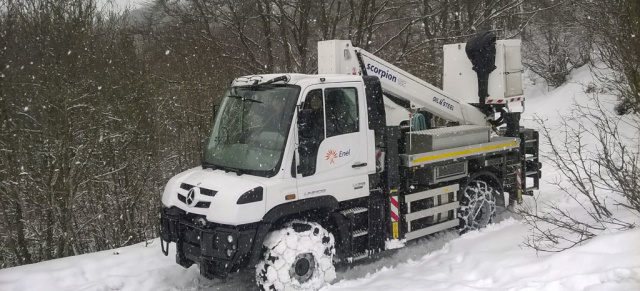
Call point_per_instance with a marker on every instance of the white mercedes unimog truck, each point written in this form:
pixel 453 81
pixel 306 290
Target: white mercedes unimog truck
pixel 302 172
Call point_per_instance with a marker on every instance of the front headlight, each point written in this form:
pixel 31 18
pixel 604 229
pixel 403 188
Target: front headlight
pixel 230 238
pixel 253 195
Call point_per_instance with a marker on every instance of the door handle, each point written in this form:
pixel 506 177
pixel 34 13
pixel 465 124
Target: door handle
pixel 359 165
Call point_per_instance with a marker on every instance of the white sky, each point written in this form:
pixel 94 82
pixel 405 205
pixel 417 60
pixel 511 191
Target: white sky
pixel 120 4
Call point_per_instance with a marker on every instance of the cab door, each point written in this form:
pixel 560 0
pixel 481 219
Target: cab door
pixel 333 154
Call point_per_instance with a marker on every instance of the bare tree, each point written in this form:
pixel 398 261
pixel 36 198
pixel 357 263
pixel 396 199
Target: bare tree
pixel 616 29
pixel 73 95
pixel 597 155
pixel 555 44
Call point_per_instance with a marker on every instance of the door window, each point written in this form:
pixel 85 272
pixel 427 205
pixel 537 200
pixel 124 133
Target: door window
pixel 341 111
pixel 334 113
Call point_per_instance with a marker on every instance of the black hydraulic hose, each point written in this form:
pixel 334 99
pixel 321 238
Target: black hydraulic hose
pixel 361 62
pixel 500 120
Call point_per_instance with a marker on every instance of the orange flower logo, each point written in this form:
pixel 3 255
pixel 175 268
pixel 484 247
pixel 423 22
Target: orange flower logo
pixel 331 154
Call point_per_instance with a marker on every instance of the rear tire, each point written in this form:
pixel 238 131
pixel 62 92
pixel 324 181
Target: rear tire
pixel 477 206
pixel 297 257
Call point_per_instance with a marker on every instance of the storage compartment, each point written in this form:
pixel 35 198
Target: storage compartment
pixel 445 138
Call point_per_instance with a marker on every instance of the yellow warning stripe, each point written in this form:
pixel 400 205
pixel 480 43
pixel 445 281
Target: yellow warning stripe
pixel 464 152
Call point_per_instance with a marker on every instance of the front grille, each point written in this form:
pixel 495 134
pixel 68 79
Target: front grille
pixel 208 192
pixel 203 204
pixel 203 191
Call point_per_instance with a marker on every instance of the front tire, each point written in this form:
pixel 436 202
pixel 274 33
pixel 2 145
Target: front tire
pixel 478 206
pixel 297 257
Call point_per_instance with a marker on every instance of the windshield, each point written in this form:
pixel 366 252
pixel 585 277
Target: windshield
pixel 251 129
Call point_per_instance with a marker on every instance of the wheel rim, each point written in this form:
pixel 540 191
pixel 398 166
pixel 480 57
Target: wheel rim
pixel 303 267
pixel 479 212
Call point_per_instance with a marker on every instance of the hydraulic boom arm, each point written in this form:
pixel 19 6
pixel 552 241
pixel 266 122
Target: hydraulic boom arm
pixel 341 57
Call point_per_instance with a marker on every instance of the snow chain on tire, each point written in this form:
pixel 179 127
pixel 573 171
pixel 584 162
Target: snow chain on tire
pixel 477 206
pixel 297 257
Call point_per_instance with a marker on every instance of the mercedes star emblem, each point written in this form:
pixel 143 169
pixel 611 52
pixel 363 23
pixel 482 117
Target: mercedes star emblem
pixel 191 196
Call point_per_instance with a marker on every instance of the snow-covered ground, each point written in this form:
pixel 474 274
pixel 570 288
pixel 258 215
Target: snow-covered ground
pixel 491 259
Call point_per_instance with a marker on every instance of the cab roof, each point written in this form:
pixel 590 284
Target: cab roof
pixel 295 79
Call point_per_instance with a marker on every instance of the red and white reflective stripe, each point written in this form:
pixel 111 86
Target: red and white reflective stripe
pixel 519 179
pixel 499 101
pixel 394 208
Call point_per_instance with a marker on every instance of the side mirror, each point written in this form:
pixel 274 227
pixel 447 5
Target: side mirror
pixel 308 143
pixel 215 113
pixel 304 123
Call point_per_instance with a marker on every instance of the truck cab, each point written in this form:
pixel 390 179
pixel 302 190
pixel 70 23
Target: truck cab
pixel 260 158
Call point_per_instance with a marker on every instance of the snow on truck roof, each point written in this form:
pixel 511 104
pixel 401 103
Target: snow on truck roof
pixel 295 79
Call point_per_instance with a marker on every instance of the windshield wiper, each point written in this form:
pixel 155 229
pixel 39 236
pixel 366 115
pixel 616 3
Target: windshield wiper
pixel 226 169
pixel 206 165
pixel 244 99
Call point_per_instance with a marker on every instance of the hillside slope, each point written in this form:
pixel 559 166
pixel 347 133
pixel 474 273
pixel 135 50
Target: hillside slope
pixel 491 259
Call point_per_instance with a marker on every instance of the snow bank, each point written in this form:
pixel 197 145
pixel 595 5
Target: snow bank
pixel 493 259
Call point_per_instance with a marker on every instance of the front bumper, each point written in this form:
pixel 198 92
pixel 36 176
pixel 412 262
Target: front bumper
pixel 217 249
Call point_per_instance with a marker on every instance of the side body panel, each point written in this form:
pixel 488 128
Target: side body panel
pixel 344 161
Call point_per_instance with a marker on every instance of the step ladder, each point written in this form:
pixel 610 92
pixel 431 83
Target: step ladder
pixel 530 164
pixel 358 226
pixel 366 227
